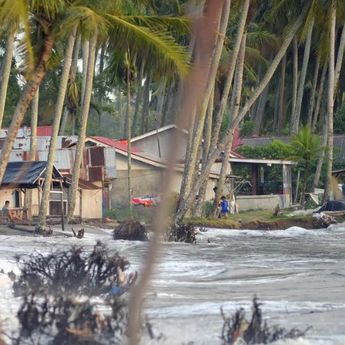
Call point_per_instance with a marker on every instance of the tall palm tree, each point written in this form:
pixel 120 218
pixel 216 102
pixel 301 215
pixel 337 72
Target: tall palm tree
pixel 124 33
pixel 56 124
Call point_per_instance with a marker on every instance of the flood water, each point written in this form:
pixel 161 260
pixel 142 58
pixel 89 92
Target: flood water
pixel 298 274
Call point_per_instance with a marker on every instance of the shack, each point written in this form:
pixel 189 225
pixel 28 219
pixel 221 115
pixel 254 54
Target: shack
pixel 30 175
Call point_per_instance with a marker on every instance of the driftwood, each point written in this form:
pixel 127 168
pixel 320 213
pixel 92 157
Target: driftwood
pixel 79 234
pixel 255 331
pixel 130 230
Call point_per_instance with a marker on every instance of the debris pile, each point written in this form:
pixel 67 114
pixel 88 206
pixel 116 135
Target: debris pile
pixel 183 233
pixel 237 330
pixel 67 298
pixel 130 230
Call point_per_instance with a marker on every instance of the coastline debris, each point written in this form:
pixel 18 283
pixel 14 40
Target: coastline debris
pixel 238 330
pixel 130 230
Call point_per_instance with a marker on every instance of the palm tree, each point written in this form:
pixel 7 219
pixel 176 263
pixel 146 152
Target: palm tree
pixel 293 29
pixel 84 118
pixel 142 41
pixel 48 27
pixel 330 99
pixel 56 124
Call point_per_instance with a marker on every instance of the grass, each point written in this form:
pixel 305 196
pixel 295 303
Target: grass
pixel 260 219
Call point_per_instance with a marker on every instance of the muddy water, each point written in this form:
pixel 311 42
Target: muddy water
pixel 298 274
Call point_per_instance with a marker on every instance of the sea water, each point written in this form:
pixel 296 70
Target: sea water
pixel 298 275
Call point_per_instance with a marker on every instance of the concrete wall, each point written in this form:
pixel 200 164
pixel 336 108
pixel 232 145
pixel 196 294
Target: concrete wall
pixel 265 202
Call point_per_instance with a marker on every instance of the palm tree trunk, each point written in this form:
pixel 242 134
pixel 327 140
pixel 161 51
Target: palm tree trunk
pixel 313 92
pixel 28 93
pixel 282 108
pixel 261 109
pixel 198 209
pixel 129 138
pixel 84 119
pixel 319 97
pixel 227 150
pixel 330 102
pixel 72 77
pixel 320 161
pixel 340 57
pixel 33 149
pixel 294 82
pixel 85 52
pixel 298 107
pixel 201 113
pixel 5 72
pixel 138 97
pixel 186 203
pixel 230 74
pixel 56 123
pixel 146 106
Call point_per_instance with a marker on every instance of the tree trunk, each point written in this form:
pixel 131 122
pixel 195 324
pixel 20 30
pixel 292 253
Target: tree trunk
pixel 276 113
pixel 227 150
pixel 28 93
pixel 56 123
pixel 282 107
pixel 186 203
pixel 138 97
pixel 260 110
pixel 85 52
pixel 297 111
pixel 340 57
pixel 129 138
pixel 320 161
pixel 319 97
pixel 146 106
pixel 199 206
pixel 201 113
pixel 230 75
pixel 5 72
pixel 84 119
pixel 330 102
pixel 33 148
pixel 72 78
pixel 313 92
pixel 294 82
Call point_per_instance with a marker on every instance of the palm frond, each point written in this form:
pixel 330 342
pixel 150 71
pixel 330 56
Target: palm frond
pixel 160 47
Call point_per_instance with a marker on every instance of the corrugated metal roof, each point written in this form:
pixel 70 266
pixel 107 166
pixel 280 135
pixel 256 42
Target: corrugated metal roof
pixel 26 174
pixel 44 131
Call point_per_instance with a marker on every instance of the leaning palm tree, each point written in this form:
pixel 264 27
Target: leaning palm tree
pixel 11 17
pixel 46 19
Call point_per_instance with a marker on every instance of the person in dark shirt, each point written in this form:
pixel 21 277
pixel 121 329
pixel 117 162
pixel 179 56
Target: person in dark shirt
pixel 6 213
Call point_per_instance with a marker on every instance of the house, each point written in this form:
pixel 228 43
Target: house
pixel 146 173
pixel 24 175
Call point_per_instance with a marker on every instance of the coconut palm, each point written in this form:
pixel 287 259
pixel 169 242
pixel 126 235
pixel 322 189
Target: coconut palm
pixel 124 33
pixel 11 17
pixel 48 27
pixel 56 125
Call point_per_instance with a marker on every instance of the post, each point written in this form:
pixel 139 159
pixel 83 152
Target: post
pixel 80 204
pixel 297 186
pixel 254 179
pixel 62 208
pixel 287 185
